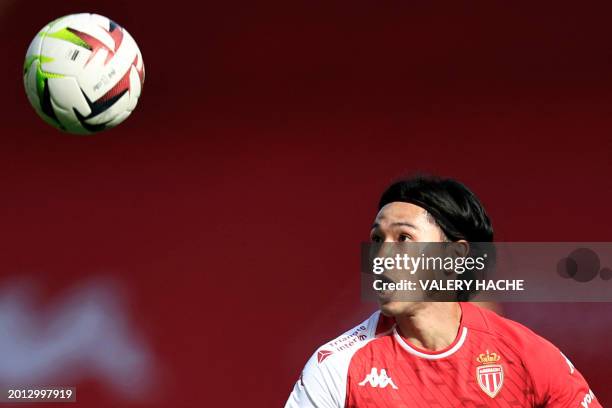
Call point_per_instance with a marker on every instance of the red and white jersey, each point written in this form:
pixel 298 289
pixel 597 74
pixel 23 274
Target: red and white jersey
pixel 493 362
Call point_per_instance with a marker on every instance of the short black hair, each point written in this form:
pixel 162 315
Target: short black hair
pixel 455 209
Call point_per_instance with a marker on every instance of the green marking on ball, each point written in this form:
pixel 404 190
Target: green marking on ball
pixel 41 75
pixel 31 58
pixel 67 35
pixel 40 79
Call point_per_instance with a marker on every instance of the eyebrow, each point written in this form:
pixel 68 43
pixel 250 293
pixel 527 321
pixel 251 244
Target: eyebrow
pixel 397 224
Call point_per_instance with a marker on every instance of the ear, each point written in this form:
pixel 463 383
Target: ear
pixel 456 249
pixel 459 249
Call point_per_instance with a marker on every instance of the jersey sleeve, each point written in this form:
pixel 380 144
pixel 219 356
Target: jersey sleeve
pixel 323 383
pixel 319 386
pixel 558 384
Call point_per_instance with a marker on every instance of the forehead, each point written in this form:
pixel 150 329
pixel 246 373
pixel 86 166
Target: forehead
pixel 401 212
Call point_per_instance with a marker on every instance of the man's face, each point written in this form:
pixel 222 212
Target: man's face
pixel 403 222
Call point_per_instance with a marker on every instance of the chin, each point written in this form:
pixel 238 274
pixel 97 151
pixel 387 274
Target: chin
pixel 395 308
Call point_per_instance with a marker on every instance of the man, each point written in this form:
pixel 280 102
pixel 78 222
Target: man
pixel 437 354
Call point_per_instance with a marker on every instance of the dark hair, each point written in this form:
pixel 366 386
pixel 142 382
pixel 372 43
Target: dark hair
pixel 455 209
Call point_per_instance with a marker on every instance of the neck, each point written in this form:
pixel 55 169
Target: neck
pixel 431 325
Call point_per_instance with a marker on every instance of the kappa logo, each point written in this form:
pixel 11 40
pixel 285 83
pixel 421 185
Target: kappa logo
pixel 378 380
pixel 490 376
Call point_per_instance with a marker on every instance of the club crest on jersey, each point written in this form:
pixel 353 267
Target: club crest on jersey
pixel 489 374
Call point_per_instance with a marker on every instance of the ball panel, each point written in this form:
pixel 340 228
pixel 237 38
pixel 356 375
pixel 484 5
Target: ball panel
pixel 65 21
pixel 35 80
pixel 31 69
pixel 62 57
pixel 89 32
pixel 120 118
pixel 29 81
pixel 139 64
pixel 119 105
pixel 46 105
pixel 98 76
pixel 34 48
pixel 68 35
pixel 66 93
pixel 69 120
pixel 134 88
pixel 101 21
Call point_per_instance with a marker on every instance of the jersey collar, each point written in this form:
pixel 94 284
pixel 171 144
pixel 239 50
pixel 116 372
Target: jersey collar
pixel 446 352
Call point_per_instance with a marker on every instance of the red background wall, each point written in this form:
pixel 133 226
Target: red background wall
pixel 264 135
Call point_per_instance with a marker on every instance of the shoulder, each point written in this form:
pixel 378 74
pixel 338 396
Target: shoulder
pixel 342 348
pixel 514 334
pixel 323 380
pixel 533 350
pixel 553 376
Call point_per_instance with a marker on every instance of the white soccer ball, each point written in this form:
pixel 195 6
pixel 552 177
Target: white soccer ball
pixel 83 73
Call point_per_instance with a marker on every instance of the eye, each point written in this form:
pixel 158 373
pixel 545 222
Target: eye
pixel 404 238
pixel 375 238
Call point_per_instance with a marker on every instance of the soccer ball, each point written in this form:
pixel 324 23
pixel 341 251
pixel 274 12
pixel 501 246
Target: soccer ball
pixel 83 73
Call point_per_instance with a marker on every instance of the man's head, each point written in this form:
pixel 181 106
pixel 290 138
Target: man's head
pixel 428 209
